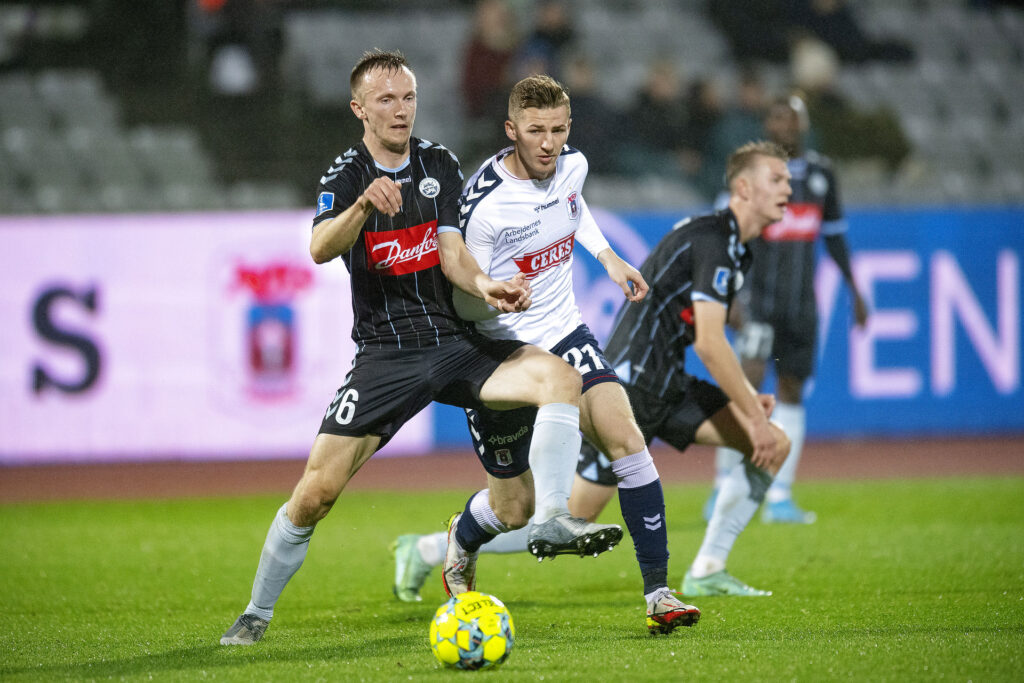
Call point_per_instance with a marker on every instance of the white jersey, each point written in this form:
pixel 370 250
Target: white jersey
pixel 512 225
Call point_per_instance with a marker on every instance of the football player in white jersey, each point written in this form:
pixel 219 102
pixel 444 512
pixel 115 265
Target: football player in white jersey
pixel 522 213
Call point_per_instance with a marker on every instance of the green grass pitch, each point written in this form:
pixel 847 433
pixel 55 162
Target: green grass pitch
pixel 898 580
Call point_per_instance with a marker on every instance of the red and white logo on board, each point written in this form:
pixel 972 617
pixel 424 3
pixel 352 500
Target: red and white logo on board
pixel 536 262
pixel 800 223
pixel 400 252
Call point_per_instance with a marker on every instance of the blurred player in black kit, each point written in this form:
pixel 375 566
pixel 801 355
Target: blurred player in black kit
pixel 694 273
pixel 389 207
pixel 777 316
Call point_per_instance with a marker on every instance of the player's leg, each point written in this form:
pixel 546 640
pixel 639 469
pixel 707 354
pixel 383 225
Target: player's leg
pixel 738 499
pixel 753 348
pixel 608 423
pixel 505 504
pixel 531 376
pixel 795 351
pixel 333 460
pixel 501 440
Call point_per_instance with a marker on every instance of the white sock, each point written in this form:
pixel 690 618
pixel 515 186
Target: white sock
pixel 738 499
pixel 793 419
pixel 554 452
pixel 725 460
pixel 509 542
pixel 432 547
pixel 480 508
pixel 283 553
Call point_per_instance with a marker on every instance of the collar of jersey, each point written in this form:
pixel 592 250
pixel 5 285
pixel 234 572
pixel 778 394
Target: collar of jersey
pixel 392 170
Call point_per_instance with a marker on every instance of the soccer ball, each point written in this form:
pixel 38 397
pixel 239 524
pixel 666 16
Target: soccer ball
pixel 472 631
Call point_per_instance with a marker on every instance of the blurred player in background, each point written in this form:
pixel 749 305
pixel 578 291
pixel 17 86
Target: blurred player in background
pixel 523 211
pixel 777 315
pixel 389 208
pixel 693 273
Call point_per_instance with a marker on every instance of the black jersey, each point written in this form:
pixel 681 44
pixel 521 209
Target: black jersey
pixel 781 285
pixel 701 258
pixel 400 297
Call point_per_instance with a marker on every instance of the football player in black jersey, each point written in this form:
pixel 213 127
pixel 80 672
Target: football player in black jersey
pixel 694 273
pixel 777 311
pixel 389 208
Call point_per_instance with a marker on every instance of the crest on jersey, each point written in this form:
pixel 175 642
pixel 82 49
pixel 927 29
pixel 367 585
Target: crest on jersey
pixel 572 205
pixel 818 183
pixel 721 280
pixel 429 187
pixel 325 202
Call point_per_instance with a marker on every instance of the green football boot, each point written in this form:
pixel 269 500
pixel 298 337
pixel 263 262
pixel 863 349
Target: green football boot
pixel 410 570
pixel 719 583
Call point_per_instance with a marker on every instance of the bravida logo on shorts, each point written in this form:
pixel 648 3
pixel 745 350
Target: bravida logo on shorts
pixel 400 252
pixel 536 262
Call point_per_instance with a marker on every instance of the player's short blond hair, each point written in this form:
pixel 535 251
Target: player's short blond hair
pixel 536 92
pixel 389 60
pixel 747 155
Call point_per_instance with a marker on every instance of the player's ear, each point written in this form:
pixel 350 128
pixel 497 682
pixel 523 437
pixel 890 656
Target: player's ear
pixel 357 109
pixel 510 130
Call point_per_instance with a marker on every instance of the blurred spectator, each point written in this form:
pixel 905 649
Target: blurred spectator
pixel 596 125
pixel 703 111
pixel 844 130
pixel 740 123
pixel 754 30
pixel 486 77
pixel 656 124
pixel 832 22
pixel 766 29
pixel 240 42
pixel 552 36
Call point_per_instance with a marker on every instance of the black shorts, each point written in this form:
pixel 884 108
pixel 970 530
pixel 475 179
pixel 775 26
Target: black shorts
pixel 387 387
pixel 793 348
pixel 674 420
pixel 501 438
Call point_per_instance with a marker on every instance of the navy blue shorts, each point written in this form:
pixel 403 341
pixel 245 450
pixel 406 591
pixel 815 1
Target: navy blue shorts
pixel 501 438
pixel 387 387
pixel 674 421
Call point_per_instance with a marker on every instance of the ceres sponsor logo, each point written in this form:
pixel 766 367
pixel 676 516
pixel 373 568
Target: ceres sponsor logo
pixel 399 252
pixel 536 262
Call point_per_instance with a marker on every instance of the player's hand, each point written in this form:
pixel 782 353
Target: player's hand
pixel 763 440
pixel 512 296
pixel 385 195
pixel 767 402
pixel 625 276
pixel 860 310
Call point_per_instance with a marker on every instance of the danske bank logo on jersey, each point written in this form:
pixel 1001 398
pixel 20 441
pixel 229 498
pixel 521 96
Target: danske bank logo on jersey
pixel 536 262
pixel 399 252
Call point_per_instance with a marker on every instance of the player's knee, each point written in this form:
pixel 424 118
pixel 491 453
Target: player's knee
pixel 311 502
pixel 514 514
pixel 782 444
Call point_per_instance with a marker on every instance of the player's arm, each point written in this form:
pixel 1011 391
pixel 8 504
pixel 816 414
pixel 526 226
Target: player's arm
pixel 335 236
pixel 836 246
pixel 464 272
pixel 624 275
pixel 712 346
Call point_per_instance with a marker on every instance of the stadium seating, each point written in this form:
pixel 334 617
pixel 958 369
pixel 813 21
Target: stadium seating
pixel 65 147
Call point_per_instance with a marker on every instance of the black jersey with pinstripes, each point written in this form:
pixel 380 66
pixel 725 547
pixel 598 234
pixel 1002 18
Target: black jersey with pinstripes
pixel 400 297
pixel 701 258
pixel 781 284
